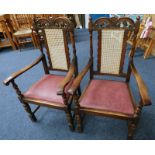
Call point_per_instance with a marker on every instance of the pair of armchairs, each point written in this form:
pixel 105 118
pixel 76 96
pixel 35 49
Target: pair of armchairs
pixel 100 97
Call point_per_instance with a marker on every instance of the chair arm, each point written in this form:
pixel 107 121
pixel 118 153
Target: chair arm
pixel 77 80
pixel 18 73
pixel 68 77
pixel 141 85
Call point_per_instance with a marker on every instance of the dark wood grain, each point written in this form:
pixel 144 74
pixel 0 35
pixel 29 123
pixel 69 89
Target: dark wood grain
pixel 18 73
pixel 78 79
pixel 141 85
pixel 129 27
pixel 39 26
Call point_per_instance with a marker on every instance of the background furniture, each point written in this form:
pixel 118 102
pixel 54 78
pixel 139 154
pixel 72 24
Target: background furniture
pixel 17 30
pixel 6 38
pixel 147 44
pixel 22 29
pixel 51 89
pixel 23 32
pixel 77 19
pixel 111 98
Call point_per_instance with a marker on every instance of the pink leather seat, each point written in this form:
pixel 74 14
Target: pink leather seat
pixel 107 95
pixel 46 89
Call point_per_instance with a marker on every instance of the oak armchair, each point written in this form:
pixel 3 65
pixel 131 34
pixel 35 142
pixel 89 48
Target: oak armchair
pixel 51 89
pixel 111 98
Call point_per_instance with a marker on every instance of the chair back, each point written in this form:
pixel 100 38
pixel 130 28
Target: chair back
pixel 21 21
pixel 55 33
pixel 113 34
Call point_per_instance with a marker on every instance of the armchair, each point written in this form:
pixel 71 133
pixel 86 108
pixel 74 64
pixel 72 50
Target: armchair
pixel 51 89
pixel 111 98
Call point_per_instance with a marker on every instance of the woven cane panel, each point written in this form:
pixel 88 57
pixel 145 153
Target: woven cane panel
pixel 56 47
pixel 111 50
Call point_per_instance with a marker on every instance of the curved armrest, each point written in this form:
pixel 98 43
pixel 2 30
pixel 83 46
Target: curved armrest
pixel 141 85
pixel 68 78
pixel 18 73
pixel 77 81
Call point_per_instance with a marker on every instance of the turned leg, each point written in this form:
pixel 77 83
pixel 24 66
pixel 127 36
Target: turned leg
pixel 78 120
pixel 132 124
pixel 131 128
pixel 25 104
pixel 28 110
pixel 77 114
pixel 69 119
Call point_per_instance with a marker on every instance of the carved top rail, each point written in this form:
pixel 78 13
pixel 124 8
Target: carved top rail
pixel 115 23
pixel 55 23
pixel 101 23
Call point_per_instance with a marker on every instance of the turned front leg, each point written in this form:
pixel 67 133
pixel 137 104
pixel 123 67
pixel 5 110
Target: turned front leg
pixel 25 104
pixel 69 119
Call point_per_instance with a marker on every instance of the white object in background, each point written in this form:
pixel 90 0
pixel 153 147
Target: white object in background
pixel 77 20
pixel 148 25
pixel 86 20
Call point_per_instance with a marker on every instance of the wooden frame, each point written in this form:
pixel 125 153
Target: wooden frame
pixel 98 25
pixel 113 24
pixel 8 41
pixel 60 23
pixel 21 21
pixel 21 25
pixel 66 51
pixel 56 23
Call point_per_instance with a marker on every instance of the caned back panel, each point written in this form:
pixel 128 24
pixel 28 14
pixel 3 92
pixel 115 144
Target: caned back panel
pixel 113 34
pixel 111 50
pixel 56 46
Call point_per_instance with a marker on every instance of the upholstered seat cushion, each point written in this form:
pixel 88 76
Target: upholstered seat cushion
pixel 106 95
pixel 46 89
pixel 23 31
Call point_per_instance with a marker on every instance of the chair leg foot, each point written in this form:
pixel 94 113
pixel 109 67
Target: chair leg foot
pixel 30 113
pixel 131 129
pixel 70 120
pixel 130 138
pixel 33 118
pixel 80 130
